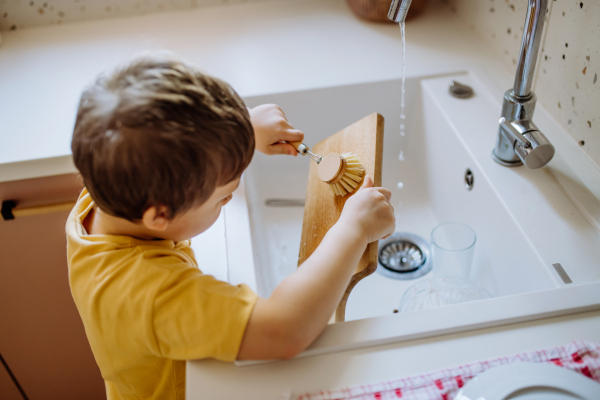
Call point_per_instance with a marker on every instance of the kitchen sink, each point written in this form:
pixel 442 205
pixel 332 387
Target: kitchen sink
pixel 538 240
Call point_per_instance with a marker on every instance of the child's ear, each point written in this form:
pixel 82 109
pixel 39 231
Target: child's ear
pixel 155 218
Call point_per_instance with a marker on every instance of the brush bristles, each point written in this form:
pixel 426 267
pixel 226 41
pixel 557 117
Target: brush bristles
pixel 352 176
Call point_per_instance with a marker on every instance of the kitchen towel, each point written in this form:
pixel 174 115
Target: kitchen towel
pixel 579 356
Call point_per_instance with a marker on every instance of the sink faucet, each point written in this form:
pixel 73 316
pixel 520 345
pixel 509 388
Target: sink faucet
pixel 519 141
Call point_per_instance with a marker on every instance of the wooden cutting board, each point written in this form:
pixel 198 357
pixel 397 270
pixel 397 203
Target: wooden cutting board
pixel 322 209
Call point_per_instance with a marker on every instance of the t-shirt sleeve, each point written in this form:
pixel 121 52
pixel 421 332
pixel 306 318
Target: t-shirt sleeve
pixel 197 316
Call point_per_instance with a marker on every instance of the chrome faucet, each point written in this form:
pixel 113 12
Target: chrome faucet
pixel 519 141
pixel 398 10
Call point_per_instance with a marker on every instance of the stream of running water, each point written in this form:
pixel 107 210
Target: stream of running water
pixel 402 104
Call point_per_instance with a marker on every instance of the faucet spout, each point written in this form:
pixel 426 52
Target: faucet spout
pixel 530 46
pixel 398 10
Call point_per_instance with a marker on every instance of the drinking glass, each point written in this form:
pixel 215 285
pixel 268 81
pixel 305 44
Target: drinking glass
pixel 452 249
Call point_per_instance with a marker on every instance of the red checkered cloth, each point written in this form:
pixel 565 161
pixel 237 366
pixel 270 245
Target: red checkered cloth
pixel 579 356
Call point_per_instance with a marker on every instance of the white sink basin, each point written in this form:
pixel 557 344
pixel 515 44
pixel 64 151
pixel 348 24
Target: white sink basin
pixel 525 220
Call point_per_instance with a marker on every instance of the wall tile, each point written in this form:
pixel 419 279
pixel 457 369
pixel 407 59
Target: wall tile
pixel 498 23
pixel 566 81
pixel 20 14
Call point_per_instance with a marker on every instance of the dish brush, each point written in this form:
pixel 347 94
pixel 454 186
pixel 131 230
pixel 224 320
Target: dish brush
pixel 342 172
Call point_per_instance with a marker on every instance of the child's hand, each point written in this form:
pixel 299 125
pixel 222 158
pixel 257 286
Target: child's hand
pixel 370 212
pixel 271 128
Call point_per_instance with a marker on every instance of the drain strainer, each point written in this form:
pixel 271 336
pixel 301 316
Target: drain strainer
pixel 404 256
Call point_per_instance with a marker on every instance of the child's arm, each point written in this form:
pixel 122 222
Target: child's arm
pixel 300 307
pixel 271 128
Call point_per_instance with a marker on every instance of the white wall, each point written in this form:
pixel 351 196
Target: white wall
pixel 567 81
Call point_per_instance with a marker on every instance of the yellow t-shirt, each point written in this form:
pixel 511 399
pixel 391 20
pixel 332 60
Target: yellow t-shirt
pixel 146 308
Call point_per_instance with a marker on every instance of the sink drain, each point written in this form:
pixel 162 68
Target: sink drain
pixel 404 256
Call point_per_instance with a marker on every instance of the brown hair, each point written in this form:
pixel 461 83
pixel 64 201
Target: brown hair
pixel 159 132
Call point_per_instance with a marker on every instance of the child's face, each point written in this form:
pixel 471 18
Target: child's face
pixel 198 219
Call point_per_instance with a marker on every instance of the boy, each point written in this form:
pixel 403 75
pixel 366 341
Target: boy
pixel 161 148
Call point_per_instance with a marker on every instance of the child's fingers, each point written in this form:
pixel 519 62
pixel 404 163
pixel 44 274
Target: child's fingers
pixel 386 192
pixel 367 183
pixel 292 135
pixel 283 112
pixel 283 148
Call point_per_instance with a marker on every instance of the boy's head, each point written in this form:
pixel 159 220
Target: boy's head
pixel 159 134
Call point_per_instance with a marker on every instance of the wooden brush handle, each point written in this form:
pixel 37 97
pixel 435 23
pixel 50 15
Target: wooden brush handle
pixel 300 147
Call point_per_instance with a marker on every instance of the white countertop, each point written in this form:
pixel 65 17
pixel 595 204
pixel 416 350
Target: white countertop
pixel 259 48
pixel 216 380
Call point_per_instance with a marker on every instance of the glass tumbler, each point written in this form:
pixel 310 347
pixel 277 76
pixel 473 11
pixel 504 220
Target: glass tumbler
pixel 452 249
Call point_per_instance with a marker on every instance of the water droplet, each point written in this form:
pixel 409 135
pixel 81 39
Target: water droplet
pixel 315 235
pixel 402 133
pixel 402 127
pixel 400 185
pixel 401 155
pixel 402 116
